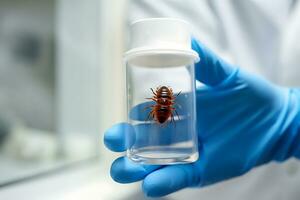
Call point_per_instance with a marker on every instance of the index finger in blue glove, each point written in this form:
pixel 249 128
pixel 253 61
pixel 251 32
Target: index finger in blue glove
pixel 120 137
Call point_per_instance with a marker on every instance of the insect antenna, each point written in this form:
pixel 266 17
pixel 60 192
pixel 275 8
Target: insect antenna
pixel 178 94
pixel 153 91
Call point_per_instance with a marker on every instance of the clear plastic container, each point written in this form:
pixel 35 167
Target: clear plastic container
pixel 161 92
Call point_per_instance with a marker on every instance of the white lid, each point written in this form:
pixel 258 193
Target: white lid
pixel 157 42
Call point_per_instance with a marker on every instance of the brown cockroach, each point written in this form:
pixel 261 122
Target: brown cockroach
pixel 164 107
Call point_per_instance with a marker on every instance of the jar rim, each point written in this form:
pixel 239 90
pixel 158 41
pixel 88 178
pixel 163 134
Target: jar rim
pixel 150 51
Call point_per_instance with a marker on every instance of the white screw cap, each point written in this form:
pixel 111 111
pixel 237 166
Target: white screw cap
pixel 155 40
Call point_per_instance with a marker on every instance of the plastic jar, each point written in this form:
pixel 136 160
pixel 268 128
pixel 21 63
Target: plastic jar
pixel 161 92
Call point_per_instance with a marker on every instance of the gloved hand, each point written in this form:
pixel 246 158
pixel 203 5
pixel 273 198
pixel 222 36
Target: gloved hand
pixel 243 121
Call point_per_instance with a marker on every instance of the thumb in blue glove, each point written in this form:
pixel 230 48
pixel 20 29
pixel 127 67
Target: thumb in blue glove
pixel 243 121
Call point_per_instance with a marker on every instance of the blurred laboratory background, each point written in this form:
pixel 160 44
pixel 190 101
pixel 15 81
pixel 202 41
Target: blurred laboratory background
pixel 56 58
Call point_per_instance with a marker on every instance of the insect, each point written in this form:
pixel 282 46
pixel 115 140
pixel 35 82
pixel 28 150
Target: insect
pixel 164 107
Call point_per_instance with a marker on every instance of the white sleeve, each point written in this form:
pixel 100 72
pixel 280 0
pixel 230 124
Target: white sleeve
pixel 245 33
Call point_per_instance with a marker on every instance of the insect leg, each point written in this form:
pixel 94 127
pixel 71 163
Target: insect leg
pixel 148 107
pixel 150 113
pixel 177 114
pixel 172 119
pixel 173 99
pixel 155 119
pixel 154 99
pixel 153 91
pixel 178 94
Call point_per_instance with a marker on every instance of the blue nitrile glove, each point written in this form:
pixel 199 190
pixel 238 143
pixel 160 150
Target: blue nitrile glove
pixel 242 121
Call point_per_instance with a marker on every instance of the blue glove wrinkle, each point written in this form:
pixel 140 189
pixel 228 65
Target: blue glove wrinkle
pixel 295 147
pixel 276 147
pixel 295 127
pixel 289 140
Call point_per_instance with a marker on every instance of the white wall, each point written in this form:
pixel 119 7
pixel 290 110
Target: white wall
pixel 89 67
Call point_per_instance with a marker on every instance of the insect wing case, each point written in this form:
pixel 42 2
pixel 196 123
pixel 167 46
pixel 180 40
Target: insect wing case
pixel 161 92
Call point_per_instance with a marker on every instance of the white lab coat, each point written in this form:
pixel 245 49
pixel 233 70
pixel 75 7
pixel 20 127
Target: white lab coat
pixel 261 37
